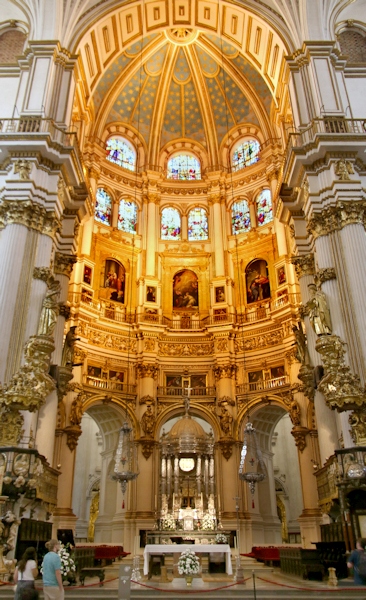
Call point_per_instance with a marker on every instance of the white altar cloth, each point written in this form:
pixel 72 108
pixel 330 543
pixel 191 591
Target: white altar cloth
pixel 179 548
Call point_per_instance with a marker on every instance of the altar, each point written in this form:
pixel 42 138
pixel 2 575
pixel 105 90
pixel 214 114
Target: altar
pixel 161 549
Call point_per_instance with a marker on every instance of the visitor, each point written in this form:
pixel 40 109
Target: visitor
pixel 357 561
pixel 51 572
pixel 25 573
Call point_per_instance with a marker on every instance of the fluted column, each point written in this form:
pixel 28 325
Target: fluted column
pixel 151 235
pixel 198 473
pixel 169 477
pixel 176 475
pixel 212 476
pixel 163 475
pixel 206 476
pixel 217 236
pixel 328 434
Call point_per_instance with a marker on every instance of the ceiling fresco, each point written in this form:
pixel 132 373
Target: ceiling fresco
pixel 200 86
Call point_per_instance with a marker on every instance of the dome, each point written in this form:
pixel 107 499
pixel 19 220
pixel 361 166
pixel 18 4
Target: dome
pixel 187 427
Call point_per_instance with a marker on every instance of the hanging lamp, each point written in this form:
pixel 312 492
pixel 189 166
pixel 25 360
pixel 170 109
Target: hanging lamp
pixel 251 468
pixel 126 466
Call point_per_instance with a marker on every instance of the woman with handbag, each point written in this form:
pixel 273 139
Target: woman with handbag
pixel 25 573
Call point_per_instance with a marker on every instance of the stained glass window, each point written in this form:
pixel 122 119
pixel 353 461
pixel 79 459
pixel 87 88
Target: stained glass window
pixel 103 207
pixel 245 154
pixel 197 224
pixel 240 217
pixel 127 216
pixel 184 166
pixel 121 152
pixel 170 224
pixel 264 207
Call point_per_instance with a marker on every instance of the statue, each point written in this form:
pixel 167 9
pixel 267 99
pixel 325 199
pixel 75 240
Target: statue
pixel 295 414
pixel 344 169
pixel 50 310
pixel 319 314
pixel 76 411
pixel 148 422
pixel 302 352
pixel 67 359
pixel 225 421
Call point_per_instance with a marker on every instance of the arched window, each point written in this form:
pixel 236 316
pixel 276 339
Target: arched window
pixel 245 154
pixel 103 207
pixel 127 216
pixel 121 152
pixel 170 224
pixel 184 166
pixel 240 217
pixel 264 208
pixel 197 224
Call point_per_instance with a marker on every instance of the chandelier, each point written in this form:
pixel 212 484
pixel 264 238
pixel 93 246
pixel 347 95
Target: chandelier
pixel 251 468
pixel 126 467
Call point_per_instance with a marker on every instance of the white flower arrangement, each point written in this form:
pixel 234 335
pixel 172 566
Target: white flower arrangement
pixel 67 563
pixel 168 522
pixel 188 563
pixel 208 523
pixel 220 538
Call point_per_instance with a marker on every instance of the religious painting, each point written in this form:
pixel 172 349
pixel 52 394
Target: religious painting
pixel 281 275
pixel 94 371
pixel 116 376
pixel 257 281
pixel 277 372
pixel 87 277
pixel 150 294
pixel 220 294
pixel 185 290
pixel 198 381
pixel 255 376
pixel 114 281
pixel 173 381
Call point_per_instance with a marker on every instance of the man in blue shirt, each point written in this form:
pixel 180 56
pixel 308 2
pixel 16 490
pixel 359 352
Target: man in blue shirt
pixel 51 573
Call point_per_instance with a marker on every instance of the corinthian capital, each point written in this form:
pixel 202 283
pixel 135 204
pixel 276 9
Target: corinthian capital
pixel 336 217
pixel 147 370
pixel 30 214
pixel 64 264
pixel 225 371
pixel 304 265
pixel 325 275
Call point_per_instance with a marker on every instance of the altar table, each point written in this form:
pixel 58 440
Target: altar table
pixel 179 548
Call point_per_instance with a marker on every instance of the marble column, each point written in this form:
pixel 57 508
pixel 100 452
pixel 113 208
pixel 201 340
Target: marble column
pixel 218 237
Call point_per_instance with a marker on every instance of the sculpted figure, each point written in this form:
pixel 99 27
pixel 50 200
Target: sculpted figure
pixel 225 421
pixel 148 422
pixel 295 413
pixel 50 310
pixel 76 411
pixel 302 352
pixel 67 359
pixel 319 314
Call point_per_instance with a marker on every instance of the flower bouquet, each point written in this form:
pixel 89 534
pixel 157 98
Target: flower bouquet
pixel 168 522
pixel 208 523
pixel 220 538
pixel 67 564
pixel 188 565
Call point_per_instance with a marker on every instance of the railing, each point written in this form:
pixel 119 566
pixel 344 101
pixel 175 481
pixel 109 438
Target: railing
pixel 331 125
pixel 38 125
pixel 106 384
pixel 326 480
pixel 182 391
pixel 266 384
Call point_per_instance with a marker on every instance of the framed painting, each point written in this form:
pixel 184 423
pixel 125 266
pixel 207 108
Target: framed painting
pixel 281 275
pixel 198 381
pixel 257 281
pixel 185 290
pixel 150 294
pixel 173 381
pixel 220 294
pixel 94 371
pixel 88 273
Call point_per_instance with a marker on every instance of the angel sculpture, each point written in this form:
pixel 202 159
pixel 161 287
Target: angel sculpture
pixel 344 169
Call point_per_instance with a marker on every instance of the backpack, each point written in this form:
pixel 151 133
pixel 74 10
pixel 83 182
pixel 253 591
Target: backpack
pixel 361 567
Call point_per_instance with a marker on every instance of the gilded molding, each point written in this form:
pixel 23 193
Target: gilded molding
pixel 225 371
pixel 11 427
pixel 341 389
pixel 271 338
pixel 357 421
pixel 335 218
pixel 29 387
pixel 186 349
pixel 299 434
pixel 73 432
pixel 147 400
pixel 304 265
pixel 23 167
pixel 31 215
pixel 344 169
pixel 64 264
pixel 147 370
